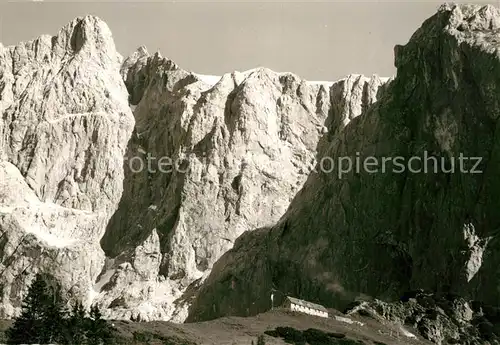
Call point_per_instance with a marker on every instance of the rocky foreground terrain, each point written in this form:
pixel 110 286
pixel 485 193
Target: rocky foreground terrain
pixel 233 330
pixel 161 194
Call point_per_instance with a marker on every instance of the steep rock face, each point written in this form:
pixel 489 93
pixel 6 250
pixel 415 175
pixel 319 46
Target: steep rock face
pixel 207 161
pixel 381 233
pixel 63 134
pixel 223 158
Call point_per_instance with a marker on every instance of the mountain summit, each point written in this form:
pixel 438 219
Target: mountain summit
pixel 353 233
pixel 162 194
pixel 83 137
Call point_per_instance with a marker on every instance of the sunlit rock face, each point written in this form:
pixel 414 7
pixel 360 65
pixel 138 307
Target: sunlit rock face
pixel 63 133
pixel 235 151
pixel 133 218
pixel 379 233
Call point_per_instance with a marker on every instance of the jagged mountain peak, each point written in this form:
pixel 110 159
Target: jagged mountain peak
pixel 88 34
pixel 241 145
pixel 83 39
pixel 244 206
pixel 63 132
pixel 380 233
pixel 142 50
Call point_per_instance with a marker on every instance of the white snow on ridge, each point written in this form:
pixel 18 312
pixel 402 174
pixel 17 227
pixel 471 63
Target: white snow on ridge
pixel 250 71
pixel 49 238
pixel 208 79
pixel 6 209
pixel 214 79
pixel 103 280
pixel 406 333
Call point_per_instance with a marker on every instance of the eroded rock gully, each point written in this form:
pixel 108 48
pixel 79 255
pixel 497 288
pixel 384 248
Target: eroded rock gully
pixel 74 202
pixel 369 235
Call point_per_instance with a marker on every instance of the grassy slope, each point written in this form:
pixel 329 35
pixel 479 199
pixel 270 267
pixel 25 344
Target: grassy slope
pixel 242 330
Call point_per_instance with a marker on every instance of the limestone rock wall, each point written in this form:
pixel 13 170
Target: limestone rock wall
pixel 240 150
pixel 382 233
pixel 133 218
pixel 63 132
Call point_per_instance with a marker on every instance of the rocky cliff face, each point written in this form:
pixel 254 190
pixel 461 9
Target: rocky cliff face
pixel 134 218
pixel 381 233
pixel 234 155
pixel 63 133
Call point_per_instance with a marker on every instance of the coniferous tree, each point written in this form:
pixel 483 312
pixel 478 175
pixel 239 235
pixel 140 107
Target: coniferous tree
pixel 45 320
pixel 78 324
pixel 260 340
pixel 56 317
pixel 34 323
pixel 99 331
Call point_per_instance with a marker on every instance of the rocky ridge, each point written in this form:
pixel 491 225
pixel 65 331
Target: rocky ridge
pixel 380 234
pixel 440 318
pixel 75 201
pixel 63 133
pixel 244 145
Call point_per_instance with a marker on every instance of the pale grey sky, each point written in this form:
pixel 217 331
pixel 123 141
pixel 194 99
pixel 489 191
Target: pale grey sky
pixel 316 40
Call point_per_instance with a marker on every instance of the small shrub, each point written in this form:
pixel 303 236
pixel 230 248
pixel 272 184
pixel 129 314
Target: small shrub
pixel 143 336
pixel 311 336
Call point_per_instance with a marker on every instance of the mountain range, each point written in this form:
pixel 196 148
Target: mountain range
pixel 162 194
